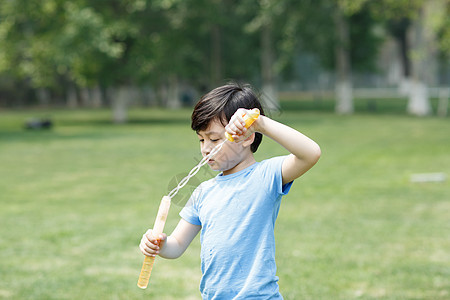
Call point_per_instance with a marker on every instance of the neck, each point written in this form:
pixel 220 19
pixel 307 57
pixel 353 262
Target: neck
pixel 247 162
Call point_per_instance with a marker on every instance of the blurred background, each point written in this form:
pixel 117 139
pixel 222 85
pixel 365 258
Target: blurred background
pixel 124 53
pixel 95 105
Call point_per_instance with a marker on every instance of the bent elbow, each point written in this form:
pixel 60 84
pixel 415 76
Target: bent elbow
pixel 315 154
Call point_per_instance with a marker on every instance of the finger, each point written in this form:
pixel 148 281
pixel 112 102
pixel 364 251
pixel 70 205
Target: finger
pixel 240 118
pixel 234 128
pixel 230 129
pixel 148 235
pixel 152 239
pixel 142 249
pixel 150 247
pixel 243 130
pixel 146 251
pixel 152 244
pixel 240 129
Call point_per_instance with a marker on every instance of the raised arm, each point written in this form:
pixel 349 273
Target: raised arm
pixel 304 151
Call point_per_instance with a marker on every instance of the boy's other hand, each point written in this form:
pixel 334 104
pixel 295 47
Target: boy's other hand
pixel 151 245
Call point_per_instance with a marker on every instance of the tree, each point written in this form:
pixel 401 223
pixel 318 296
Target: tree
pixel 427 25
pixel 420 27
pixel 87 49
pixel 334 30
pixel 343 86
pixel 264 22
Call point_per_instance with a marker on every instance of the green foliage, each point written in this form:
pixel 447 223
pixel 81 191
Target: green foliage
pixel 55 43
pixel 443 30
pixel 366 41
pixel 394 11
pixel 312 29
pixel 122 42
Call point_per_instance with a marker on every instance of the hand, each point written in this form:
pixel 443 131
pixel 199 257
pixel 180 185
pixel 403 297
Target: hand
pixel 150 245
pixel 236 127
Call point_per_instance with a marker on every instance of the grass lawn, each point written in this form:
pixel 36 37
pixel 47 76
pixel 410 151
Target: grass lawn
pixel 75 200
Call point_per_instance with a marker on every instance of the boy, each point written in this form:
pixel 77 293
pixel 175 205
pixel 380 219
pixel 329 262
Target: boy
pixel 236 210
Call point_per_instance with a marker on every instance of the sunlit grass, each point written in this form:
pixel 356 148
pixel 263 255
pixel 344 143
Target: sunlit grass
pixel 75 200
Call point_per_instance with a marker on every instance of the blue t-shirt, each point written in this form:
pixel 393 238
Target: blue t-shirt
pixel 237 213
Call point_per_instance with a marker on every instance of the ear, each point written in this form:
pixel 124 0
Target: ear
pixel 248 141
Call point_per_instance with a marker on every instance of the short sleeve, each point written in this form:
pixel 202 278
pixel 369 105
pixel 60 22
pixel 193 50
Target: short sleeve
pixel 274 168
pixel 190 211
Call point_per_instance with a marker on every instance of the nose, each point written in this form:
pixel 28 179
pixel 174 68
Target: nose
pixel 206 148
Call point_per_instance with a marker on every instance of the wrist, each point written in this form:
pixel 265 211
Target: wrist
pixel 260 124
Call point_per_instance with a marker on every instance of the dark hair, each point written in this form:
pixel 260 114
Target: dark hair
pixel 221 103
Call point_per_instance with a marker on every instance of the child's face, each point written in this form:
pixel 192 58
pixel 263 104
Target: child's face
pixel 231 153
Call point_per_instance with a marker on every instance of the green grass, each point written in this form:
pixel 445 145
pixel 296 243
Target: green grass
pixel 75 200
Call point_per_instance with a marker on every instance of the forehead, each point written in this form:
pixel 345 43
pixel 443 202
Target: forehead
pixel 214 127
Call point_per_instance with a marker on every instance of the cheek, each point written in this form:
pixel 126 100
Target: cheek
pixel 229 153
pixel 220 157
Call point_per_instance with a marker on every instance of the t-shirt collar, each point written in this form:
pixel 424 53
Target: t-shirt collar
pixel 222 177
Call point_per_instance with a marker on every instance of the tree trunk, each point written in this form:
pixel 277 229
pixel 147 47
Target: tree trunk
pixel 84 96
pixel 162 94
pixel 269 90
pixel 120 101
pixel 418 102
pixel 72 96
pixel 444 95
pixel 421 41
pixel 147 94
pixel 399 30
pixel 344 97
pixel 95 97
pixel 105 95
pixel 173 96
pixel 402 38
pixel 44 97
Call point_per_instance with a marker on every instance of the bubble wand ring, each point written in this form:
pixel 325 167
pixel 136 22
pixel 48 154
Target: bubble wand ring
pixel 164 206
